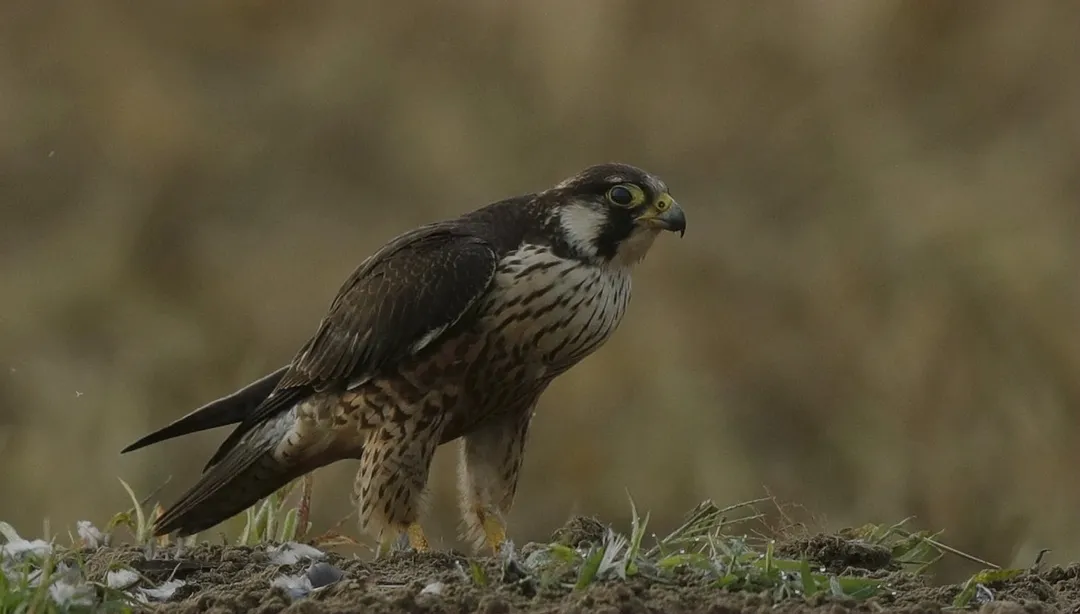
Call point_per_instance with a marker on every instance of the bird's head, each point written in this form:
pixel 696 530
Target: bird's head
pixel 612 213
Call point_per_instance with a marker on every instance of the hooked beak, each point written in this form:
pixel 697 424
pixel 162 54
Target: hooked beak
pixel 665 214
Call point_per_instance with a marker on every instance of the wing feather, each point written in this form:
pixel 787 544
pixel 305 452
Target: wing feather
pixel 398 301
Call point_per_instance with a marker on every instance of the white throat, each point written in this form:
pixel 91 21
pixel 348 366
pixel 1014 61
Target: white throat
pixel 633 249
pixel 583 225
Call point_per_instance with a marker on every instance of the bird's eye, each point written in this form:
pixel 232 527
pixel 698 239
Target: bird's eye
pixel 623 195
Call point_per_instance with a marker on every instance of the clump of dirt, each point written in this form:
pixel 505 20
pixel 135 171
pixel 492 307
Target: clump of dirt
pixel 220 579
pixel 1056 589
pixel 839 555
pixel 580 531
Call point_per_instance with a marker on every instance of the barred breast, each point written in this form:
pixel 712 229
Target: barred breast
pixel 552 311
pixel 542 315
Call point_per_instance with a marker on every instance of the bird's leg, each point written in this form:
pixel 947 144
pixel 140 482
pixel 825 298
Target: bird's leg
pixel 303 516
pixel 494 527
pixel 490 460
pixel 388 542
pixel 399 541
pixel 390 485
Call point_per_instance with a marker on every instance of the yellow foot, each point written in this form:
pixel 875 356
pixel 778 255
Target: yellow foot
pixel 391 540
pixel 417 539
pixel 494 531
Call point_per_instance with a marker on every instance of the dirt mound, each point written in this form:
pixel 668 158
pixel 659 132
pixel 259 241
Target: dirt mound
pixel 839 555
pixel 219 579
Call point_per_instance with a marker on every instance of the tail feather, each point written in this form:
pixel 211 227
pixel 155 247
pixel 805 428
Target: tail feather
pixel 227 410
pixel 250 472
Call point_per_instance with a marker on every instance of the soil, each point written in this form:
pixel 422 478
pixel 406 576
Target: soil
pixel 221 579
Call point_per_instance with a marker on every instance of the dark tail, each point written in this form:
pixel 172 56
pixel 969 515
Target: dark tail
pixel 226 410
pixel 246 474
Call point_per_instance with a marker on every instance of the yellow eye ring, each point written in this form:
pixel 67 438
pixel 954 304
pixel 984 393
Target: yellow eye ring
pixel 625 195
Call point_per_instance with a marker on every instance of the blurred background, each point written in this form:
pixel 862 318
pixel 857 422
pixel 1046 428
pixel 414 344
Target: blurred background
pixel 871 315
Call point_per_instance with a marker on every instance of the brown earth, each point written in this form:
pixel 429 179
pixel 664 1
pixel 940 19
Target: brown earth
pixel 219 579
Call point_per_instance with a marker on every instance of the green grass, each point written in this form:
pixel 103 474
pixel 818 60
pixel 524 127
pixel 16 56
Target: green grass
pixel 714 547
pixel 275 519
pixel 39 576
pixel 704 550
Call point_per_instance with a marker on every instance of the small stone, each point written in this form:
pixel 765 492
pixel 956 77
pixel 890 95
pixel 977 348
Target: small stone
pixel 323 574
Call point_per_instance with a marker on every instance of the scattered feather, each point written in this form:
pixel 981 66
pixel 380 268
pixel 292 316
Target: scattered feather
pixel 163 592
pixel 435 588
pixel 290 553
pixel 121 579
pixel 67 593
pixel 507 551
pixel 20 549
pixel 538 558
pixel 91 536
pixel 295 586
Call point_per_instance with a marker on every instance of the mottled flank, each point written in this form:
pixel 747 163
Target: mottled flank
pixel 450 331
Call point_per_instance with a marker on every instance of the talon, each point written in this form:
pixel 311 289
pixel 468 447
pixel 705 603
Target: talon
pixel 400 541
pixel 386 546
pixel 494 531
pixel 417 539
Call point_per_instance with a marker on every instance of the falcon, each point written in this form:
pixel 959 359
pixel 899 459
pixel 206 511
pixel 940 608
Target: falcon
pixel 451 331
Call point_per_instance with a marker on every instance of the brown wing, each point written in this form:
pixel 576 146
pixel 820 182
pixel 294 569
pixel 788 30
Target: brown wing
pixel 398 301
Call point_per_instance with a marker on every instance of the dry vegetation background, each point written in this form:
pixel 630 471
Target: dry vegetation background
pixel 872 313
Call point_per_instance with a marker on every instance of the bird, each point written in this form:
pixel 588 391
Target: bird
pixel 450 331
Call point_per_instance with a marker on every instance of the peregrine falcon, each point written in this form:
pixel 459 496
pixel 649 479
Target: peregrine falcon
pixel 452 330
